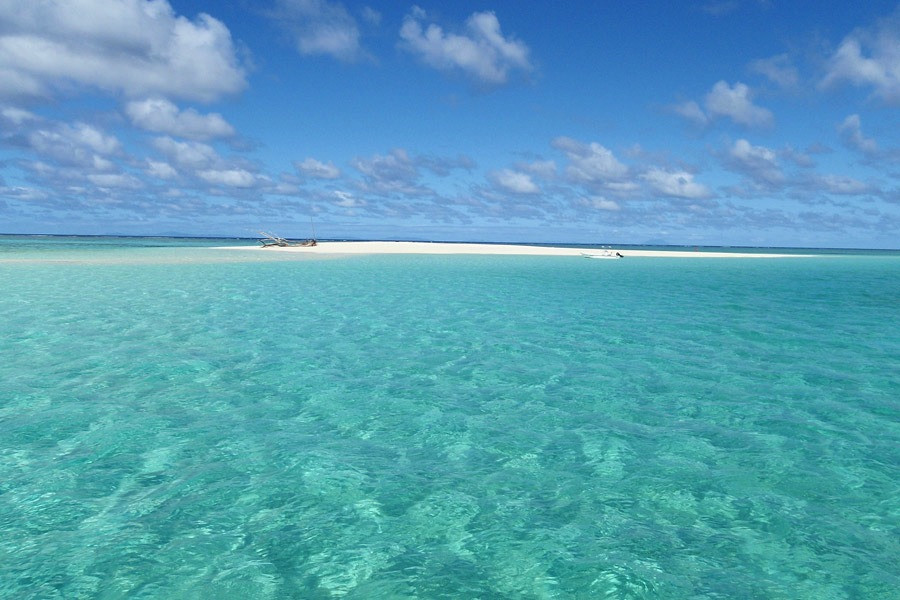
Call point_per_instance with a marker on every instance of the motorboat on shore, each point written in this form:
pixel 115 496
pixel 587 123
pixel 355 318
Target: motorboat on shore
pixel 603 254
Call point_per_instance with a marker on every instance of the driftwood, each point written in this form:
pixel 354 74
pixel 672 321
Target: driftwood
pixel 273 240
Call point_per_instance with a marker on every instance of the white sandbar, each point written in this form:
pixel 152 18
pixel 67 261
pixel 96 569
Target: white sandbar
pixel 461 248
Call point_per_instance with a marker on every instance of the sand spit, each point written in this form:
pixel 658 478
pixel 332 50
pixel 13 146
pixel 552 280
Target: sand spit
pixel 507 249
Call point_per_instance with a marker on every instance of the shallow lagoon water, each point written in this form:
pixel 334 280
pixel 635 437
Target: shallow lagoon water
pixel 193 423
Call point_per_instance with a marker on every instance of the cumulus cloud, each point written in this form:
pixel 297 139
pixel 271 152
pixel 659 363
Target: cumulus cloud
pixel 237 178
pixel 347 200
pixel 202 161
pixel 91 137
pixel 622 187
pixel 723 100
pixel 191 155
pixel 316 169
pixel 16 116
pixel 599 203
pixel 443 165
pixel 397 165
pixel 541 168
pixel 115 180
pixel 734 102
pixel 777 69
pixel 162 116
pixel 842 185
pixel 322 28
pixel 162 170
pixel 869 58
pixel 22 193
pixel 757 162
pixel 801 158
pixel 677 184
pixel 134 47
pixel 398 173
pixel 394 173
pixel 79 145
pixel 514 181
pixel 852 137
pixel 481 51
pixel 691 111
pixel 589 162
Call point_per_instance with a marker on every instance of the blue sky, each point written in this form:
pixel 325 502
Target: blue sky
pixel 715 122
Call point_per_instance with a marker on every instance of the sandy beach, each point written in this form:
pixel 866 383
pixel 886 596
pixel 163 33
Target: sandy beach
pixel 507 249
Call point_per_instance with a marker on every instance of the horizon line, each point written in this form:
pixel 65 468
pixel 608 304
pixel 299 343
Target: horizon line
pixel 436 241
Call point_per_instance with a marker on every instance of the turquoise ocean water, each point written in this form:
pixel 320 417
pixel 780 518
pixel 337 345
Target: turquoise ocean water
pixel 183 422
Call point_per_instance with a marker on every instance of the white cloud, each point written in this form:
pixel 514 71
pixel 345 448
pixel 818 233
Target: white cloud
pixel 161 116
pixel 192 155
pixel 91 137
pixel 321 27
pixel 542 168
pixel 17 116
pixel 239 178
pixel 347 200
pixel 778 69
pixel 115 180
pixel 22 193
pixel 394 173
pixel 481 52
pixel 163 170
pixel 371 15
pixel 600 203
pixel 758 162
pixel 316 169
pixel 735 103
pixel 443 165
pixel 75 145
pixel 800 158
pixel 135 47
pixel 396 165
pixel 622 187
pixel 691 111
pixel 724 100
pixel 678 184
pixel 841 185
pixel 851 134
pixel 514 181
pixel 399 174
pixel 589 162
pixel 869 57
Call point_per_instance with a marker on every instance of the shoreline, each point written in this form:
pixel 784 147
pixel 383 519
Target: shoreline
pixel 492 249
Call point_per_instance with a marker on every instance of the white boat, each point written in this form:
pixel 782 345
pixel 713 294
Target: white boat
pixel 608 254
